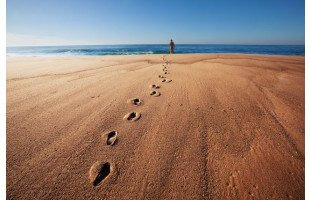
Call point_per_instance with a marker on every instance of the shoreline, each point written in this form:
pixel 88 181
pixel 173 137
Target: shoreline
pixel 156 49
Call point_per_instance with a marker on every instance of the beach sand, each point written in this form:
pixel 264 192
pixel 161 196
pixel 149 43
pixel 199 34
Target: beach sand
pixel 221 126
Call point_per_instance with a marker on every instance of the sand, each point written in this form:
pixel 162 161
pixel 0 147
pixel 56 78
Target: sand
pixel 221 126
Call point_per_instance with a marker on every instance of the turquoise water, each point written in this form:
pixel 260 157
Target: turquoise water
pixel 90 50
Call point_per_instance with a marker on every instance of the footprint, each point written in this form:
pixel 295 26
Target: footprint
pixel 110 137
pixel 135 101
pixel 160 76
pixel 155 93
pixel 165 72
pixel 154 86
pixel 164 80
pixel 98 172
pixel 134 116
pixel 168 80
pixel 232 189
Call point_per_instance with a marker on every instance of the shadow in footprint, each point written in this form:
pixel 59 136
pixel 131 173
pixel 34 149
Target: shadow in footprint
pixel 134 116
pixel 98 172
pixel 135 101
pixel 110 137
pixel 155 86
pixel 155 93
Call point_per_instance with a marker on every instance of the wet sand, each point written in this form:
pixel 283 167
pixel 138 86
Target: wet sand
pixel 194 126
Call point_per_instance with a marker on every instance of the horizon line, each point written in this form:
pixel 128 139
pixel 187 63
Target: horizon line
pixel 154 44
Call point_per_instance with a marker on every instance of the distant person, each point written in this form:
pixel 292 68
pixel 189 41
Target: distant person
pixel 171 46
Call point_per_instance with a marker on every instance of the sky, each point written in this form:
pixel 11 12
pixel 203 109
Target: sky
pixel 99 22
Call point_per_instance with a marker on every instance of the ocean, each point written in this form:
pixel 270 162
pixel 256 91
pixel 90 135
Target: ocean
pixel 94 50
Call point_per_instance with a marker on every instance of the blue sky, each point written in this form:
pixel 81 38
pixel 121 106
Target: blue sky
pixel 73 22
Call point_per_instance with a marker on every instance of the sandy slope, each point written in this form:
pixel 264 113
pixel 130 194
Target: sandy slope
pixel 228 126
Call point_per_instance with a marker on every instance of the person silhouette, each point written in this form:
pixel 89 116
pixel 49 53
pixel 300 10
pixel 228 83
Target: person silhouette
pixel 171 46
